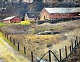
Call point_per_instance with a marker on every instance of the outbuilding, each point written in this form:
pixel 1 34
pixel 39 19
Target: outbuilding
pixel 32 16
pixel 12 19
pixel 58 13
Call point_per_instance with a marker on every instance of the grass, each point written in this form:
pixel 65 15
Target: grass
pixel 7 54
pixel 1 35
pixel 48 28
pixel 11 44
pixel 6 24
pixel 57 28
pixel 39 42
pixel 2 24
pixel 21 23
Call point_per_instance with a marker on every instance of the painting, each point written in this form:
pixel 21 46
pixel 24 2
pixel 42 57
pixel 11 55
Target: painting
pixel 39 30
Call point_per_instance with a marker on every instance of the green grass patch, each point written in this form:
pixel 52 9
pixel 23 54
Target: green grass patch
pixel 26 22
pixel 5 24
pixel 58 27
pixel 8 41
pixel 2 24
pixel 11 44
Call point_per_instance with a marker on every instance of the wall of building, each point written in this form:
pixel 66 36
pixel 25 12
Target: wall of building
pixel 15 20
pixel 30 19
pixel 45 15
pixel 6 21
pixel 56 16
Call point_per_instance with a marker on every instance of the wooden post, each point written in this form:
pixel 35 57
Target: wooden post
pixel 7 36
pixel 13 41
pixel 18 46
pixel 75 43
pixel 60 55
pixel 49 55
pixel 32 56
pixel 72 45
pixel 70 51
pixel 76 40
pixel 79 40
pixel 24 50
pixel 10 39
pixel 66 51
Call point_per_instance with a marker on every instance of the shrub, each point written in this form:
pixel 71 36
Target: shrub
pixel 26 22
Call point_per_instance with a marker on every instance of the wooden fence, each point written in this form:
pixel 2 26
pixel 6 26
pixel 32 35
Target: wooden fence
pixel 72 50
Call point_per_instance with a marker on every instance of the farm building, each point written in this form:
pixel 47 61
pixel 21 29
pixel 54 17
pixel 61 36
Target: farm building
pixel 31 16
pixel 58 13
pixel 12 19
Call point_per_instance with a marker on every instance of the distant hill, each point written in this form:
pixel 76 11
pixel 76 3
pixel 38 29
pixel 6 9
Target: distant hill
pixel 19 7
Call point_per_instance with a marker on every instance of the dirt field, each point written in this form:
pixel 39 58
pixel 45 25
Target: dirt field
pixel 40 44
pixel 33 29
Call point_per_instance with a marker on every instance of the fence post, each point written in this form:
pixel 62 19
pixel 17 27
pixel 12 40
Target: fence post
pixel 13 41
pixel 70 51
pixel 10 39
pixel 76 40
pixel 72 45
pixel 66 51
pixel 32 56
pixel 7 36
pixel 79 40
pixel 75 43
pixel 60 55
pixel 24 50
pixel 18 46
pixel 49 55
pixel 72 48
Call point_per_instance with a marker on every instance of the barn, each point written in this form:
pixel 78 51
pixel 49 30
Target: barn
pixel 31 16
pixel 58 13
pixel 12 19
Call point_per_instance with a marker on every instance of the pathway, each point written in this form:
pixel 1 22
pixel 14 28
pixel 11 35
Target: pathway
pixel 8 54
